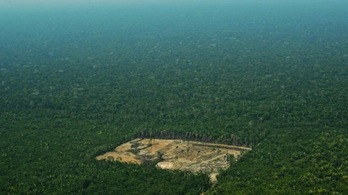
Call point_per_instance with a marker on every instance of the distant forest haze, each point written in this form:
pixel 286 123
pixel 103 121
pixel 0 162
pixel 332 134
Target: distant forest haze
pixel 78 79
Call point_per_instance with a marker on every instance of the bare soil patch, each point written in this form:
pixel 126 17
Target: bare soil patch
pixel 182 155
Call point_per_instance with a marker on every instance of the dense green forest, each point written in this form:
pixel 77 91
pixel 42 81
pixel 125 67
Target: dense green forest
pixel 285 94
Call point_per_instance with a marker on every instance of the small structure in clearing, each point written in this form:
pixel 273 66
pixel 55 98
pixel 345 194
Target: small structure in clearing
pixel 182 155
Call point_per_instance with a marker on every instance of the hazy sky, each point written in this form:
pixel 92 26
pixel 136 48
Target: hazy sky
pixel 57 3
pixel 53 3
pixel 60 2
pixel 76 2
pixel 31 2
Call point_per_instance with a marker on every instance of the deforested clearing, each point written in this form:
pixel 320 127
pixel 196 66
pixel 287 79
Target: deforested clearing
pixel 184 155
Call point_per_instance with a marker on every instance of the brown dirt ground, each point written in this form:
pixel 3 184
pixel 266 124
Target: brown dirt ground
pixel 190 156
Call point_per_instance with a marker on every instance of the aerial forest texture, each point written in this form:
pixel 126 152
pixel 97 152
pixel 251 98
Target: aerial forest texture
pixel 75 84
